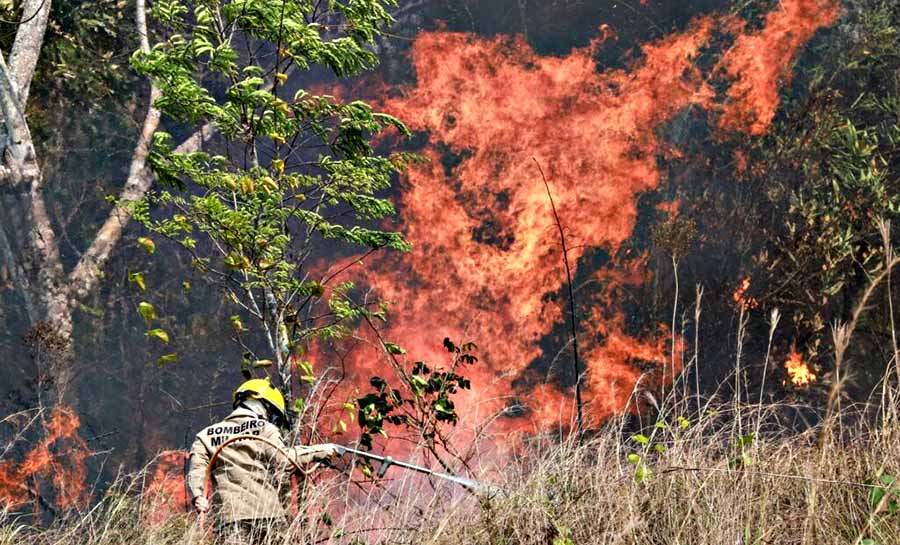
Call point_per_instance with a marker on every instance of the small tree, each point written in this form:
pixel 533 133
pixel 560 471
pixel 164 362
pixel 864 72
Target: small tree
pixel 291 171
pixel 829 175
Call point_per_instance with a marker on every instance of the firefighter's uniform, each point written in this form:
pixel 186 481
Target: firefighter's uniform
pixel 247 475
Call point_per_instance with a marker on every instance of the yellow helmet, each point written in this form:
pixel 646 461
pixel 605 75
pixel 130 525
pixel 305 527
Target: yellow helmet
pixel 262 389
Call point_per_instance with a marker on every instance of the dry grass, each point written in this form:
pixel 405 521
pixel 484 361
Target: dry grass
pixel 702 488
pixel 732 474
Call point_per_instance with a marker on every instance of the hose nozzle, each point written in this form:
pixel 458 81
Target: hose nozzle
pixel 385 464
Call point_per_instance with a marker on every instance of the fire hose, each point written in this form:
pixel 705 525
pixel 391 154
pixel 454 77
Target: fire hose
pixel 385 462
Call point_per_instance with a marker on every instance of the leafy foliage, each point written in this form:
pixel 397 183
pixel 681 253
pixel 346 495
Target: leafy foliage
pixel 423 400
pixel 830 172
pixel 293 173
pixel 84 52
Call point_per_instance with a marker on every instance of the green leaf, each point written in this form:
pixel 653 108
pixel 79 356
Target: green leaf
pixel 639 438
pixel 634 458
pixel 166 359
pixel 147 244
pixel 743 460
pixel 147 311
pixel 394 349
pixel 875 496
pixel 138 280
pixel 158 334
pixel 236 324
pixel 642 473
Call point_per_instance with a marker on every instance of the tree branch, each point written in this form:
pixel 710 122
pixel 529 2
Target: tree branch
pixel 579 422
pixel 19 156
pixel 85 275
pixel 27 46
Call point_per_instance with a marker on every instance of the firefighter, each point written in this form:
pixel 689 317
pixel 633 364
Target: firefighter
pixel 247 475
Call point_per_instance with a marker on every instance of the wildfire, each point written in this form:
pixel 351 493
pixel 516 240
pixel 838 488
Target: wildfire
pixel 798 370
pixel 486 264
pixel 58 459
pixel 493 104
pixel 759 63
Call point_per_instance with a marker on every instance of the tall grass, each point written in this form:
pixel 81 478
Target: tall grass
pixel 688 481
pixel 692 473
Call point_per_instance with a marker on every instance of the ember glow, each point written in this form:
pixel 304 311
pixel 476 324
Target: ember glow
pixel 741 298
pixel 58 460
pixel 487 264
pixel 798 370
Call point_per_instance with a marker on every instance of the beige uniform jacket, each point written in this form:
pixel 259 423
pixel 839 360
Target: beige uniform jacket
pixel 247 474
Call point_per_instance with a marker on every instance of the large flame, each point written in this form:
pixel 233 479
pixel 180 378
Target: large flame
pixel 486 263
pixel 58 459
pixel 760 62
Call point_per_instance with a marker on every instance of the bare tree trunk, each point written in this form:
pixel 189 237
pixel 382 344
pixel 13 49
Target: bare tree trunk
pixel 49 293
pixel 85 275
pixel 19 157
pixel 27 46
pixel 49 290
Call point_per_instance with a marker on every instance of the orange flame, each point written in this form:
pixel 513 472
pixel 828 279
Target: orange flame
pixel 167 493
pixel 798 370
pixel 486 263
pixel 741 298
pixel 760 62
pixel 58 458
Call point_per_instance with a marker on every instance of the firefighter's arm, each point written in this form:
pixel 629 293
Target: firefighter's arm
pixel 196 477
pixel 313 453
pixel 300 455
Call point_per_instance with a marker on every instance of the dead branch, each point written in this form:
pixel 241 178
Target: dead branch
pixel 579 422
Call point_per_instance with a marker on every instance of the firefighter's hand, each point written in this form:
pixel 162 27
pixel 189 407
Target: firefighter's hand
pixel 201 504
pixel 326 451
